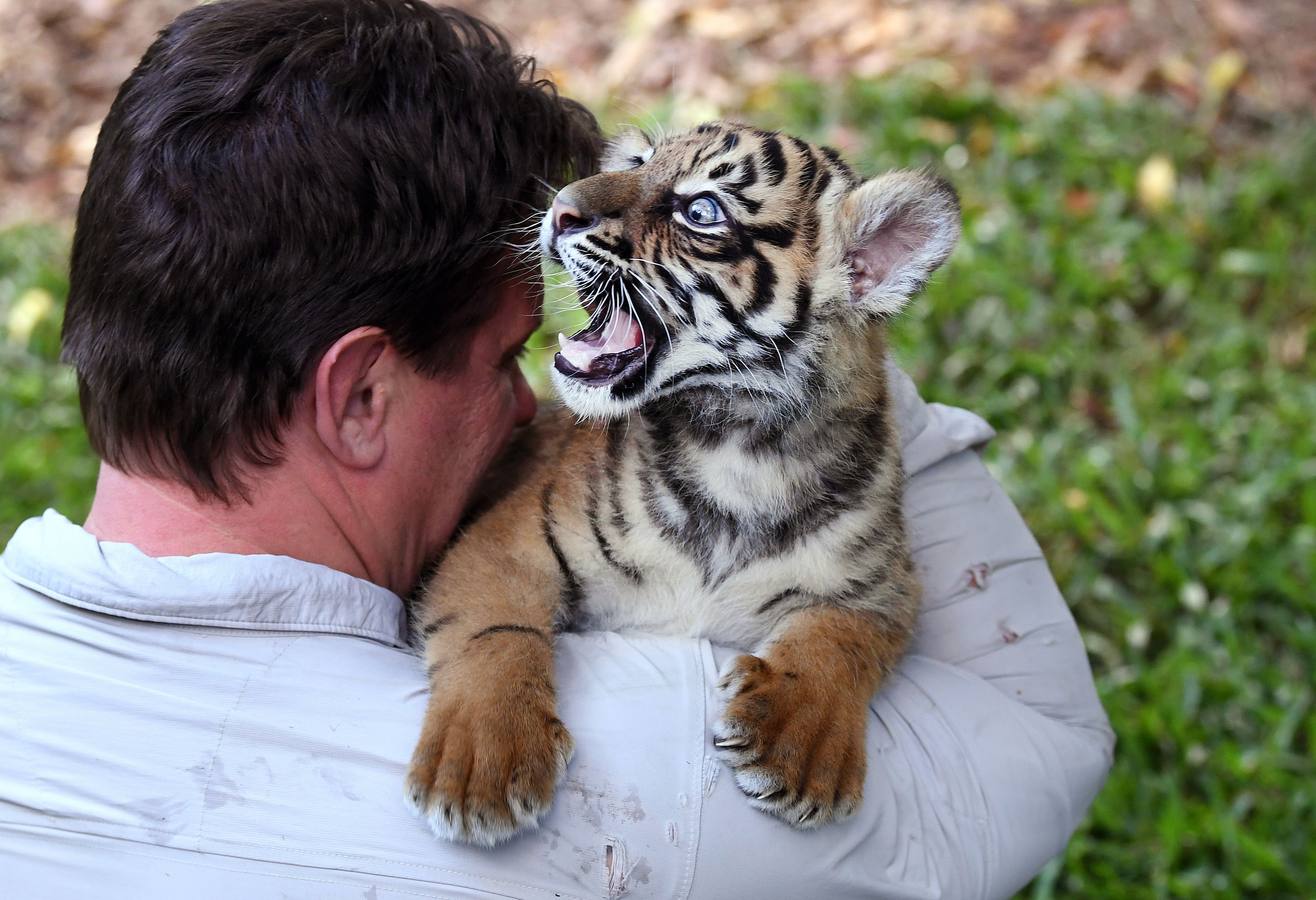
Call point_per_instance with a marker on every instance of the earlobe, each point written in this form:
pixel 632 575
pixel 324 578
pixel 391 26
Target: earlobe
pixel 899 228
pixel 352 392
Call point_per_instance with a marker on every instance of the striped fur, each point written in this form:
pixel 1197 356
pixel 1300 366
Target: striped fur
pixel 742 484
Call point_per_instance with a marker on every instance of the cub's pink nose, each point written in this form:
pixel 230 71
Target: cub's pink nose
pixel 568 218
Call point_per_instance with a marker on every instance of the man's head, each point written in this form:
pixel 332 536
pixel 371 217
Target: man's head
pixel 287 194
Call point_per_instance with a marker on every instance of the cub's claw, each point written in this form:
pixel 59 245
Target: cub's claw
pixel 481 778
pixel 796 744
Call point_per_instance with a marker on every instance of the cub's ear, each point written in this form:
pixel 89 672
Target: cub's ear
pixel 629 149
pixel 898 229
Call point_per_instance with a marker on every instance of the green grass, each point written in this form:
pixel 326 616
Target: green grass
pixel 44 457
pixel 1152 375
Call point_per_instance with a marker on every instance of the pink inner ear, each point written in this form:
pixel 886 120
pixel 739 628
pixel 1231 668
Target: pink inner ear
pixel 887 249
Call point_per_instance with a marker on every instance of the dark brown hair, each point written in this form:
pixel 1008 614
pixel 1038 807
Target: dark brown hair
pixel 273 174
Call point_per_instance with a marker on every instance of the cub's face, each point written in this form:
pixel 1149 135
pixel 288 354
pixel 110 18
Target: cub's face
pixel 724 258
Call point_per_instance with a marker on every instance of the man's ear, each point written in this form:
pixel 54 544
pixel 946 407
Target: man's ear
pixel 354 385
pixel 898 229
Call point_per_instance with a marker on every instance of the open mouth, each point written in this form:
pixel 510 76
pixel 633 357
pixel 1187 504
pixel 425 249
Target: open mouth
pixel 612 349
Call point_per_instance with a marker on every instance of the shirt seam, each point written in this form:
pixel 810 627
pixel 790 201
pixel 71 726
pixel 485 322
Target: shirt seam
pixel 400 862
pixel 705 760
pixel 57 590
pixel 223 730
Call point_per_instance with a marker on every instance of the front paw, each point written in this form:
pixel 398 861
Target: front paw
pixel 486 768
pixel 796 744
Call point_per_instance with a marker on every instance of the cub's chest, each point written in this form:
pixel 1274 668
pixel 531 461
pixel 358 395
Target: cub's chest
pixel 730 587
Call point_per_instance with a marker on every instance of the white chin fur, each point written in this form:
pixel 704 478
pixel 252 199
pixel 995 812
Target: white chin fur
pixel 594 402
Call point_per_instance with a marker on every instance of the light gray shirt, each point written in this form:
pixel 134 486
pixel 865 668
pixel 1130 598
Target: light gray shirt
pixel 238 726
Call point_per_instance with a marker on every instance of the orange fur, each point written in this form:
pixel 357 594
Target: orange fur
pixel 758 502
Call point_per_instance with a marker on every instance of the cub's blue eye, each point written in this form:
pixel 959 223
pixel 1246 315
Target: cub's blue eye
pixel 705 211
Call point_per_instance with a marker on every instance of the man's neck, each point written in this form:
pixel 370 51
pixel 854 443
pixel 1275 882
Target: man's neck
pixel 163 518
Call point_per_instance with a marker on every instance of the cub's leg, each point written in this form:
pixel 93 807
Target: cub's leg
pixel 492 749
pixel 793 726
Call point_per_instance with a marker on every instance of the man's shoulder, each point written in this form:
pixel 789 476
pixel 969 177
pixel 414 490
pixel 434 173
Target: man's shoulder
pixel 284 753
pixel 265 745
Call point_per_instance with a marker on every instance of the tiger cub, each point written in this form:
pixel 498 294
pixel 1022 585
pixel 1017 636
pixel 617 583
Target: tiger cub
pixel 745 484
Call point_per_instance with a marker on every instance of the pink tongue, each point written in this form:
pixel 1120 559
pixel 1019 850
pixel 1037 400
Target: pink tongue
pixel 618 334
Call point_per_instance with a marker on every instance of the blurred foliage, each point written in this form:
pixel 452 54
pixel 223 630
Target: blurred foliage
pixel 44 457
pixel 1133 307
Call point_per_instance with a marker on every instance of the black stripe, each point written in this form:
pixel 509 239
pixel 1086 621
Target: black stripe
pixel 702 154
pixel 774 160
pixel 865 584
pixel 781 234
pixel 706 369
pixel 570 598
pixel 666 204
pixel 702 526
pixel 803 309
pixel 834 157
pixel 880 533
pixel 508 629
pixel 844 478
pixel 594 256
pixel 678 291
pixel 706 284
pixel 616 435
pixel 622 247
pixel 441 622
pixel 727 252
pixel 775 358
pixel 701 517
pixel 808 167
pixel 765 283
pixel 605 548
pixel 775 600
pixel 751 206
pixel 749 175
pixel 824 179
pixel 728 144
pixel 658 515
pixel 648 495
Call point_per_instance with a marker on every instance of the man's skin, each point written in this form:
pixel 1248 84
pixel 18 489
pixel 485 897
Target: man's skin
pixel 379 460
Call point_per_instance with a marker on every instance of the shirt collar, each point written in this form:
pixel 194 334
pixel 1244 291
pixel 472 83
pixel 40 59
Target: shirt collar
pixel 54 557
